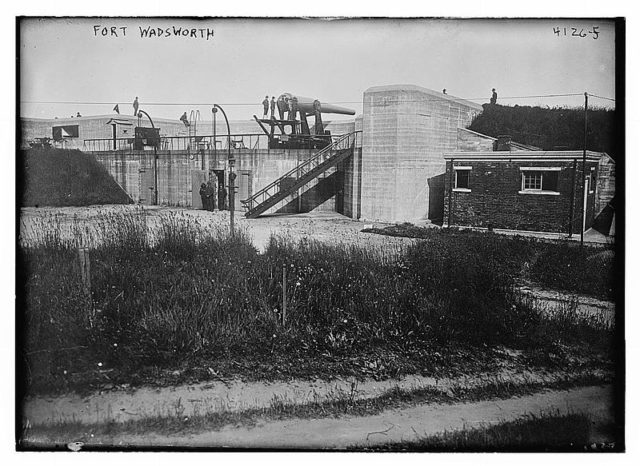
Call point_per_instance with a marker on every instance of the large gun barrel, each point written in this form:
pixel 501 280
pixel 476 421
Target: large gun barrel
pixel 308 105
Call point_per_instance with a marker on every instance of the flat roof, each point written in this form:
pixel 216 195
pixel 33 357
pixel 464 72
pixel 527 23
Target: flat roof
pixel 424 90
pixel 523 155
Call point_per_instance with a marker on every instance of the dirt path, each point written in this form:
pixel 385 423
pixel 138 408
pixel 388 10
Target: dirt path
pixel 235 395
pixel 390 426
pixel 602 312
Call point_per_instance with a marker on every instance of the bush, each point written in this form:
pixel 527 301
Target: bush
pixel 562 265
pixel 580 270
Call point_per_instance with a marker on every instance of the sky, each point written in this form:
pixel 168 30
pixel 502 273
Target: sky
pixel 335 61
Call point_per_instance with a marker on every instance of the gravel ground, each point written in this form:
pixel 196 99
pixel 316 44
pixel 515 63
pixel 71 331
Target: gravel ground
pixel 322 226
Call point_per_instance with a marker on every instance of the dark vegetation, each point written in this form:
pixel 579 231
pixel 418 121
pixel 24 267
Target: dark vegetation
pixel 534 433
pixel 551 128
pixel 57 177
pixel 559 265
pixel 186 304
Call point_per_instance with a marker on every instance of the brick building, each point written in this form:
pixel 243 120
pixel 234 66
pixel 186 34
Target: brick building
pixel 521 190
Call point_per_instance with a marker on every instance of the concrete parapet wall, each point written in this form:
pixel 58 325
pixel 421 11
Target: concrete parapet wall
pixel 406 129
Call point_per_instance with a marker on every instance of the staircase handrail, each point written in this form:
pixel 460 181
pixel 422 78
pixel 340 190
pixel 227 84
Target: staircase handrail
pixel 309 161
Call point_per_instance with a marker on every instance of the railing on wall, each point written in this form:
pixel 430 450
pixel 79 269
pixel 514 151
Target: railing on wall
pixel 186 143
pixel 304 172
pixel 178 143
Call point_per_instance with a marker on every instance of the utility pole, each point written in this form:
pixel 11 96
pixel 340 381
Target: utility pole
pixel 155 158
pixel 232 162
pixel 215 141
pixel 584 167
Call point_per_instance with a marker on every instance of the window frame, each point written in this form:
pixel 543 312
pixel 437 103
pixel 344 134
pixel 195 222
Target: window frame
pixel 524 171
pixel 455 187
pixel 64 128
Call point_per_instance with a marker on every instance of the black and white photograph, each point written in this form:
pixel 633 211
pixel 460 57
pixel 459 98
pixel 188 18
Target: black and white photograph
pixel 320 234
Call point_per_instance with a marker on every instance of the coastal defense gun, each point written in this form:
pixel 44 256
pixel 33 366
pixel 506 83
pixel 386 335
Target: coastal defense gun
pixel 293 111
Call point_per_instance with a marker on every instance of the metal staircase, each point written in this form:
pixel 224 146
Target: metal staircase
pixel 294 179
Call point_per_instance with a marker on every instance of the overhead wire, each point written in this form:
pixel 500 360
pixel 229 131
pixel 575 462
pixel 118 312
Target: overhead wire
pixel 600 97
pixel 68 102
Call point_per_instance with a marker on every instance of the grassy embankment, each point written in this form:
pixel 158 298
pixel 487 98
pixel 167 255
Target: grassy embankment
pixel 57 177
pixel 185 303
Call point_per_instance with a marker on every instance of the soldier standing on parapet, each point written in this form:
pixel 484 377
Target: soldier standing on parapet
pixel 273 107
pixel 185 119
pixel 494 97
pixel 290 107
pixel 282 107
pixel 265 104
pixel 135 107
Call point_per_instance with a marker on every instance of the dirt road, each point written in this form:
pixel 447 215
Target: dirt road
pixel 390 426
pixel 120 405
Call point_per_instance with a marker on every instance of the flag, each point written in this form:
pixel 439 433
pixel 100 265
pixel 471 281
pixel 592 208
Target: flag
pixel 116 109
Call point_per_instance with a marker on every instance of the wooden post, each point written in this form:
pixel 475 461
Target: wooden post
pixel 284 294
pixel 85 278
pixel 85 271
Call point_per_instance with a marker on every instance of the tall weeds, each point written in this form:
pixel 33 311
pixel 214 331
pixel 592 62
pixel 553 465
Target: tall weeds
pixel 170 292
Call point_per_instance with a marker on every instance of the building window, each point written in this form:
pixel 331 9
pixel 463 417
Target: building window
pixel 64 132
pixel 532 180
pixel 540 180
pixel 461 183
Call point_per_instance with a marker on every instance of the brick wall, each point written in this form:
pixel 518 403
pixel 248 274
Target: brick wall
pixel 495 201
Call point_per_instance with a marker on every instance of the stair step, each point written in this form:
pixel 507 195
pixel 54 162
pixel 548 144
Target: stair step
pixel 316 171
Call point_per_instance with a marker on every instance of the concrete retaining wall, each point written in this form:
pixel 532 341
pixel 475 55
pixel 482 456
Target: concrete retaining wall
pixel 133 171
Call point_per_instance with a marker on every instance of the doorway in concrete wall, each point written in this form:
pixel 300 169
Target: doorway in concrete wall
pixel 222 197
pixel 435 186
pixel 146 186
pixel 197 178
pixel 244 188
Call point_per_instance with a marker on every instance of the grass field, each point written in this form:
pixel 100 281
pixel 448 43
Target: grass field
pixel 559 265
pixel 187 299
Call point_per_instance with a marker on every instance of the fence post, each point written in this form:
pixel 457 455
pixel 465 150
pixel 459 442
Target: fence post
pixel 284 294
pixel 85 278
pixel 85 270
